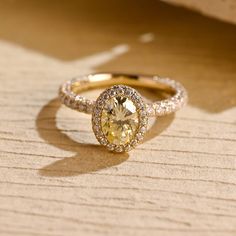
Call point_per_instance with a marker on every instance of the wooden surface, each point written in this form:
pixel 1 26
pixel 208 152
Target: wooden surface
pixel 54 177
pixel 220 9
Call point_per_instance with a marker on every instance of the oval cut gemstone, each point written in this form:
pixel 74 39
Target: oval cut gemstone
pixel 119 120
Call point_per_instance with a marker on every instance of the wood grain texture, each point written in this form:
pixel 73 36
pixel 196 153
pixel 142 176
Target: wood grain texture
pixel 54 177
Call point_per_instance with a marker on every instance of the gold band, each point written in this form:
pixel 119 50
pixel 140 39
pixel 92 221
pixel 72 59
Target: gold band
pixel 103 80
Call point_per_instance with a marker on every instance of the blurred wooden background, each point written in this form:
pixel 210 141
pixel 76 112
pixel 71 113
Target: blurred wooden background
pixel 56 180
pixel 220 9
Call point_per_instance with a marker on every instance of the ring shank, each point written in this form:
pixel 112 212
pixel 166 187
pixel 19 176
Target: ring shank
pixel 70 90
pixel 100 80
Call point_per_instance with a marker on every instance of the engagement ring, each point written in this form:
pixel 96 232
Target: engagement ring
pixel 120 115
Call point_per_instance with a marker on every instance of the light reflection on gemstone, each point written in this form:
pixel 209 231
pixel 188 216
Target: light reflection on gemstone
pixel 119 120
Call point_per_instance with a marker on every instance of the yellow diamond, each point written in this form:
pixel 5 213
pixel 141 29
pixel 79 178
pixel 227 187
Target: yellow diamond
pixel 119 120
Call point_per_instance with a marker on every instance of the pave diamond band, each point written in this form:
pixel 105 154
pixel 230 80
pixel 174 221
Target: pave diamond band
pixel 119 115
pixel 69 91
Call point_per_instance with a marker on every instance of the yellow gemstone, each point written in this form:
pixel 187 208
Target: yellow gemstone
pixel 119 120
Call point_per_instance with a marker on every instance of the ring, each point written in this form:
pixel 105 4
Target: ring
pixel 120 115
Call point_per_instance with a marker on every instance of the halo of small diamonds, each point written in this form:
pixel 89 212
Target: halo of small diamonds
pixel 134 98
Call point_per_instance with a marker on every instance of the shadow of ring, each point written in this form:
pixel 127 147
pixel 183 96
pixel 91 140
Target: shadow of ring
pixel 88 157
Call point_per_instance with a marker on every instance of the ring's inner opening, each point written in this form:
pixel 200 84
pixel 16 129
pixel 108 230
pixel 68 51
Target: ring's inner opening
pixel 105 80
